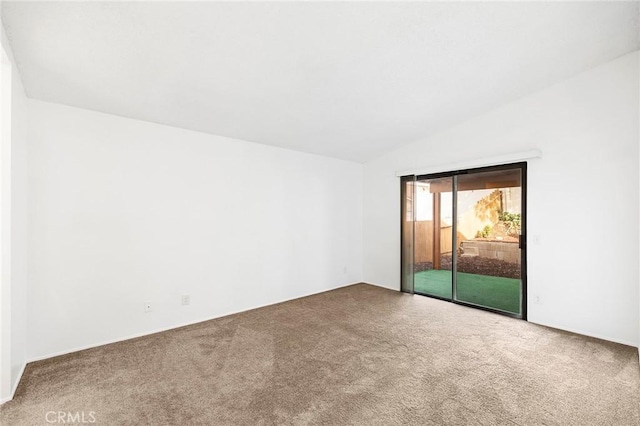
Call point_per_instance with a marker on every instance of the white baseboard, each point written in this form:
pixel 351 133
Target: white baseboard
pixel 173 327
pixel 585 333
pixel 18 379
pixel 382 286
pixel 15 385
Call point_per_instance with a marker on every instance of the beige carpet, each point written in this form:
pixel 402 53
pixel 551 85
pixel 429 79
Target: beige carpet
pixel 358 355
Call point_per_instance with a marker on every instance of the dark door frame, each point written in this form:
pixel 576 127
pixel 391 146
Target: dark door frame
pixel 523 234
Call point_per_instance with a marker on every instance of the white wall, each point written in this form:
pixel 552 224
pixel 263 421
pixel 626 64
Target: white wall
pixel 19 231
pixel 13 197
pixel 5 226
pixel 125 211
pixel 583 197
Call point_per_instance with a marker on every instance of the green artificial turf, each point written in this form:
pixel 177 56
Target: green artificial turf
pixel 493 292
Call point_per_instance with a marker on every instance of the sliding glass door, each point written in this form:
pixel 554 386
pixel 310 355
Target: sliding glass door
pixel 465 233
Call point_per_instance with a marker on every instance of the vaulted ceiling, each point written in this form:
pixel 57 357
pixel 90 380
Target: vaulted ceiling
pixel 348 80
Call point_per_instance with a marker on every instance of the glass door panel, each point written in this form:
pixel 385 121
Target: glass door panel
pixel 433 237
pixel 488 225
pixel 407 227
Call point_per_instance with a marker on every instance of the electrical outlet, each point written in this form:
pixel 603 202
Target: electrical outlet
pixel 147 306
pixel 186 300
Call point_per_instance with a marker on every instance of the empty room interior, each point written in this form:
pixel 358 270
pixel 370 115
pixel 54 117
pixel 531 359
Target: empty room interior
pixel 305 213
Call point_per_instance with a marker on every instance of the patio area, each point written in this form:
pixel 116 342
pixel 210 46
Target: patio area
pixel 493 292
